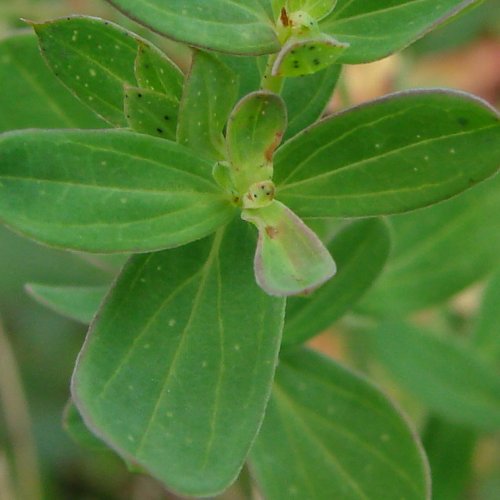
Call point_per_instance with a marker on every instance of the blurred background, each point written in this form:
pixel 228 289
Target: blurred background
pixel 38 347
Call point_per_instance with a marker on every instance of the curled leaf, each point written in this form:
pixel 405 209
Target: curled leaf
pixel 290 259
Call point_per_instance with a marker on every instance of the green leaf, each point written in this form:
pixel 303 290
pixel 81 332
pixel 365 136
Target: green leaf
pixel 448 378
pixel 360 250
pixel 195 354
pixel 151 113
pixel 450 449
pixel 233 26
pixel 439 251
pixel 249 70
pixel 315 8
pixel 377 29
pixel 75 426
pixel 305 56
pixel 329 433
pixel 75 302
pixel 94 59
pixel 209 95
pixel 307 97
pixel 155 71
pixel 290 259
pixel 31 95
pixel 255 129
pixel 392 155
pixel 107 191
pixel 485 337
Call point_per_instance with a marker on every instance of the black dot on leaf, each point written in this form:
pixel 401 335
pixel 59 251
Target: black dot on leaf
pixel 166 118
pixel 316 62
pixel 463 121
pixel 312 47
pixel 139 95
pixel 159 130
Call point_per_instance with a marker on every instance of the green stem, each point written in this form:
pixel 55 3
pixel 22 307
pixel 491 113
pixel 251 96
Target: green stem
pixel 18 423
pixel 270 82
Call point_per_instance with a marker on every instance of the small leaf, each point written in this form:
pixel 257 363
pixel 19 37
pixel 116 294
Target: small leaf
pixel 392 155
pixel 307 97
pixel 438 252
pixel 93 58
pixel 255 128
pixel 329 433
pixel 450 450
pixel 209 95
pixel 155 71
pixel 449 379
pixel 151 113
pixel 378 29
pixel 485 337
pixel 361 250
pixel 79 432
pixel 78 303
pixel 204 339
pixel 107 191
pixel 290 259
pixel 31 96
pixel 305 56
pixel 233 26
pixel 316 8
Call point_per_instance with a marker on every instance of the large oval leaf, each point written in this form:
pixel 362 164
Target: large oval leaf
pixel 112 191
pixel 449 379
pixel 330 434
pixel 376 29
pixel 360 250
pixel 189 341
pixel 31 95
pixel 396 154
pixel 234 26
pixel 439 251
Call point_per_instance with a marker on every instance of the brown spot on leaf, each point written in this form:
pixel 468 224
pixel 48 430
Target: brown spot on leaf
pixel 272 232
pixel 272 148
pixel 284 17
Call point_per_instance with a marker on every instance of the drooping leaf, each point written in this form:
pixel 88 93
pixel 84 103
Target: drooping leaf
pixel 255 129
pixel 107 191
pixel 151 113
pixel 31 96
pixel 450 449
pixel 290 259
pixel 486 337
pixel 328 433
pixel 438 252
pixel 209 95
pixel 306 56
pixel 93 58
pixel 377 29
pixel 75 302
pixel 307 97
pixel 451 380
pixel 79 432
pixel 155 71
pixel 233 26
pixel 195 356
pixel 392 155
pixel 360 250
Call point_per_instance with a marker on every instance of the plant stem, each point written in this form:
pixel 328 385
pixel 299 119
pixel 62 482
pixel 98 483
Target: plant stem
pixel 270 82
pixel 18 423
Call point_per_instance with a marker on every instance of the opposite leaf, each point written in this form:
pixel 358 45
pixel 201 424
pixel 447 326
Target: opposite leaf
pixel 151 113
pixel 93 58
pixel 31 96
pixel 329 434
pixel 209 95
pixel 376 29
pixel 448 378
pixel 233 26
pixel 78 303
pixel 107 191
pixel 392 155
pixel 254 131
pixel 290 259
pixel 195 357
pixel 361 250
pixel 155 71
